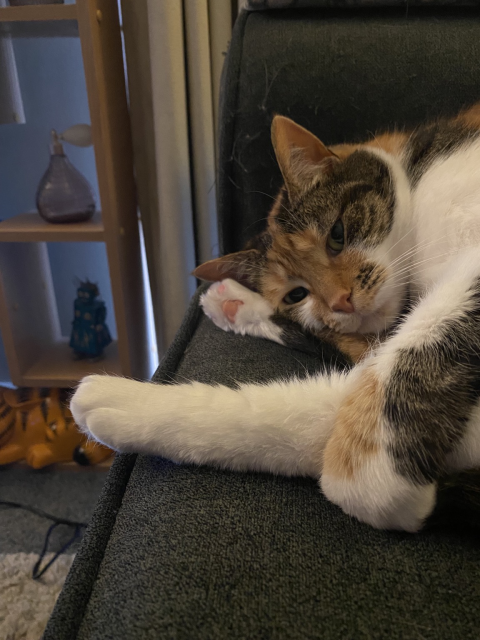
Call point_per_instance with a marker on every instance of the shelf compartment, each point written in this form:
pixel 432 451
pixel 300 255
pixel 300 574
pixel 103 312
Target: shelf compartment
pixel 55 367
pixel 41 12
pixel 37 353
pixel 30 227
pixel 29 320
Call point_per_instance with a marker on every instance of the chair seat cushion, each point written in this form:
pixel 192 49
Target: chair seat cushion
pixel 196 552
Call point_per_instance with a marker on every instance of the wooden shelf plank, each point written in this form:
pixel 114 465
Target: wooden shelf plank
pixel 41 12
pixel 55 366
pixel 30 227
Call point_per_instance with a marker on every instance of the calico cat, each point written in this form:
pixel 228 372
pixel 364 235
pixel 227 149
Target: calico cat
pixel 356 231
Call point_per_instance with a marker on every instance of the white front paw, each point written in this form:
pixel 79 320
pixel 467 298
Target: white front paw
pixel 109 409
pixel 233 307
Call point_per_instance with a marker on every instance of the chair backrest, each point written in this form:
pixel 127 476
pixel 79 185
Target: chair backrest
pixel 341 74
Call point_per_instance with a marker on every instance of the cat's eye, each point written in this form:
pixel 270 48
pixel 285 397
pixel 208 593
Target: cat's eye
pixel 296 295
pixel 336 237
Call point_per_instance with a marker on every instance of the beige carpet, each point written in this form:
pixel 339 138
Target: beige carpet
pixel 26 604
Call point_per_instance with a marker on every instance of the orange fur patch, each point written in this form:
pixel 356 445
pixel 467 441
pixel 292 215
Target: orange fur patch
pixel 392 143
pixel 354 345
pixel 355 435
pixel 274 211
pixel 306 240
pixel 471 116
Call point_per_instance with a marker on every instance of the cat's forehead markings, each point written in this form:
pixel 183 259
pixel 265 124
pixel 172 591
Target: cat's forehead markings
pixel 317 211
pixel 287 260
pixel 306 240
pixel 276 268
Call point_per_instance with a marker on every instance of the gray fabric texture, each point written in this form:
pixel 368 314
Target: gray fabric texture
pixel 342 75
pixel 71 604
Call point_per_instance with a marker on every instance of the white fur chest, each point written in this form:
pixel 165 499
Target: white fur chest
pixel 446 212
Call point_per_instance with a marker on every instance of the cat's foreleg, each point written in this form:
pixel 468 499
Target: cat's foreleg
pixel 281 427
pixel 233 307
pixel 412 414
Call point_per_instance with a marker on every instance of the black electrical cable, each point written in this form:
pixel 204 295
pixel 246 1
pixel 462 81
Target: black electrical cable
pixel 38 572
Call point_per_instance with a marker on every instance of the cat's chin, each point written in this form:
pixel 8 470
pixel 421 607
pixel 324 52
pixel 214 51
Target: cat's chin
pixel 375 322
pixel 346 324
pixel 384 313
pixel 380 320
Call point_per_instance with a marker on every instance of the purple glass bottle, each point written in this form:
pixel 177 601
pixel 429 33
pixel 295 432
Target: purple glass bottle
pixel 64 194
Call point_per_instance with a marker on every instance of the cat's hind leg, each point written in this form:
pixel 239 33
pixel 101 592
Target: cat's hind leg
pixel 411 412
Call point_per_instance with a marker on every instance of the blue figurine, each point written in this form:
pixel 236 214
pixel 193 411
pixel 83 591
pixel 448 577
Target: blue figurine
pixel 90 334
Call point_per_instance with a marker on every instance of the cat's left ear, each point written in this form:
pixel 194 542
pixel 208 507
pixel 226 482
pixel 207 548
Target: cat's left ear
pixel 241 266
pixel 300 155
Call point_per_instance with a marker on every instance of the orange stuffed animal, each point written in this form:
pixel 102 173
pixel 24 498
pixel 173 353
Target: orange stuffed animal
pixel 37 426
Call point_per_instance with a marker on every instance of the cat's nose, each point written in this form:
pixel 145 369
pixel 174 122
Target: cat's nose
pixel 343 303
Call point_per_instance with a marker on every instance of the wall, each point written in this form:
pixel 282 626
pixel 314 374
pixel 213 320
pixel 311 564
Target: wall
pixel 54 96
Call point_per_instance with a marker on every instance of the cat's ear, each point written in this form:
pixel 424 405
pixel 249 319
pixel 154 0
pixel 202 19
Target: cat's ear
pixel 300 154
pixel 241 266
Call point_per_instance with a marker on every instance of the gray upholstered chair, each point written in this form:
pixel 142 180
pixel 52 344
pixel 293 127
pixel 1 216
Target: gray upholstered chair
pixel 185 552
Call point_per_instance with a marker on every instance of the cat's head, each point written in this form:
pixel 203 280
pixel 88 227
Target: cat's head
pixel 331 255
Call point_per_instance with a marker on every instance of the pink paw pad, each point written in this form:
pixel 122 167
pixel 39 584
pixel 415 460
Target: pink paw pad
pixel 230 308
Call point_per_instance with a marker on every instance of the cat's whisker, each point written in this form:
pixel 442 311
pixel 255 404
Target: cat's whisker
pixel 406 256
pixel 392 283
pixel 419 247
pixel 397 283
pixel 398 241
pixel 397 274
pixel 408 251
pixel 404 263
pixel 400 283
pixel 395 287
pixel 413 266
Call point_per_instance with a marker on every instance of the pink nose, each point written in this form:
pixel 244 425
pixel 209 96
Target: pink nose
pixel 343 303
